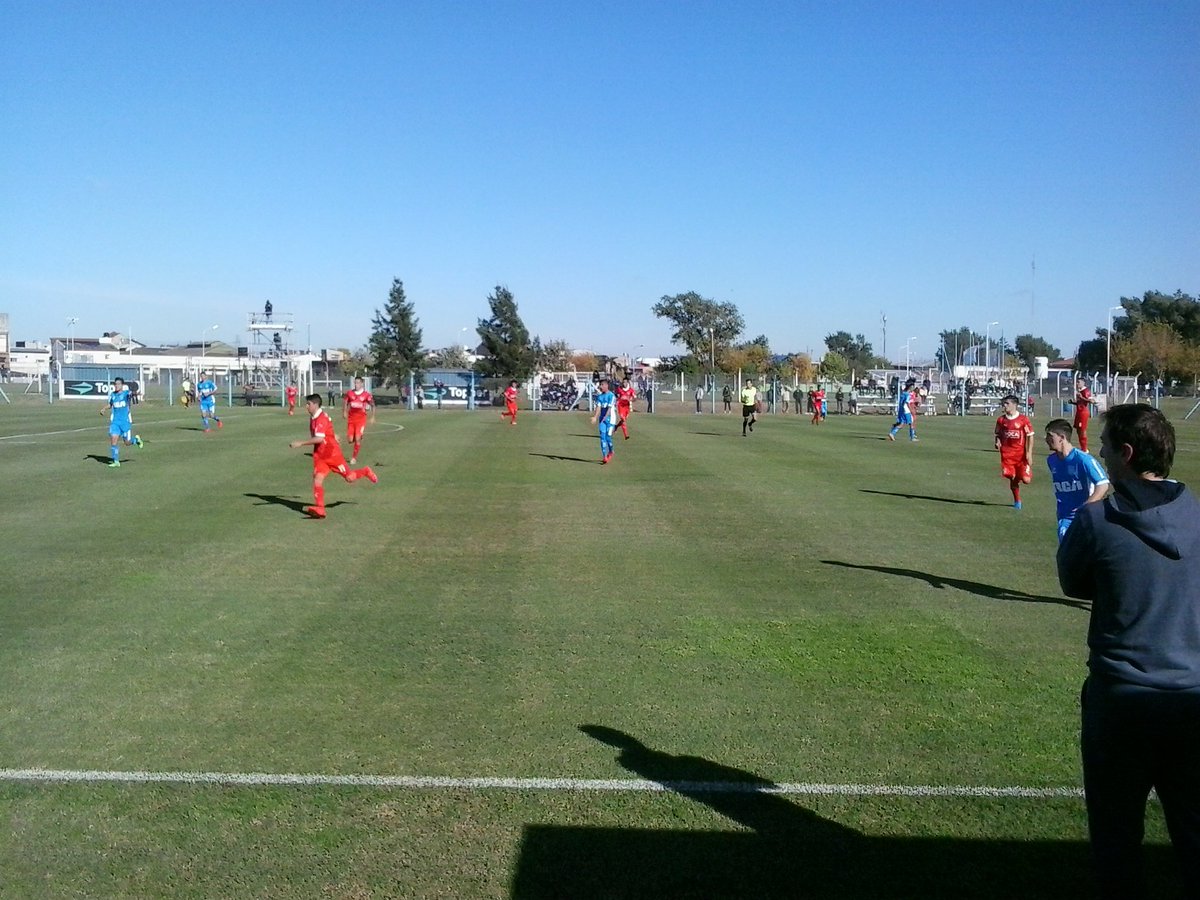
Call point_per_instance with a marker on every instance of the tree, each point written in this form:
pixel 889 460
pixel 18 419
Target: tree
pixel 584 361
pixel 1028 348
pixel 555 356
pixel 954 343
pixel 1178 310
pixel 833 365
pixel 1154 349
pixel 453 357
pixel 801 365
pixel 505 338
pixel 1092 355
pixel 702 326
pixel 855 351
pixel 355 362
pixel 395 342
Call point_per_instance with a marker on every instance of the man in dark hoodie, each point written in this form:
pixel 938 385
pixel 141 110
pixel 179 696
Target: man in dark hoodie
pixel 1136 557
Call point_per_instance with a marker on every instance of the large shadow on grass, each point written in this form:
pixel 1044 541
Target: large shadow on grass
pixel 784 850
pixel 103 459
pixel 991 591
pixel 289 502
pixel 563 458
pixel 932 498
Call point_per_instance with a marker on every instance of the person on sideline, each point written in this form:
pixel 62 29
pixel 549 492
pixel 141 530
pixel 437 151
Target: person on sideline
pixel 1136 558
pixel 1083 411
pixel 1077 478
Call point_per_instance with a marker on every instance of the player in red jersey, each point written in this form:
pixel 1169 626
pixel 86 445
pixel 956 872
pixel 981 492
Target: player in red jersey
pixel 327 455
pixel 510 402
pixel 355 404
pixel 1014 440
pixel 625 395
pixel 818 402
pixel 1083 411
pixel 291 392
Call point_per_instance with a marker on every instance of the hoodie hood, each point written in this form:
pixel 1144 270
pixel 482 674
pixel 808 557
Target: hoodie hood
pixel 1148 509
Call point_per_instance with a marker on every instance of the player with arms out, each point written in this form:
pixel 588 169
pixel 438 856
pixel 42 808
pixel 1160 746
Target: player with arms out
pixel 1083 411
pixel 1014 440
pixel 625 395
pixel 606 416
pixel 355 404
pixel 510 402
pixel 206 388
pixel 1077 477
pixel 120 422
pixel 327 455
pixel 291 393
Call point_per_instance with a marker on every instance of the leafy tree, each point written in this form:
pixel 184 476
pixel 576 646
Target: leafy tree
pixel 833 365
pixel 702 326
pixel 1092 354
pixel 1029 348
pixel 355 362
pixel 555 355
pixel 453 357
pixel 395 342
pixel 733 359
pixel 855 351
pixel 585 361
pixel 1154 348
pixel 1178 310
pixel 505 338
pixel 801 365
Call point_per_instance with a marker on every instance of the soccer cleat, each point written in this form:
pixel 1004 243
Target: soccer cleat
pixel 137 441
pixel 114 464
pixel 1017 505
pixel 915 440
pixel 220 424
pixel 316 512
pixel 353 460
pixel 371 476
pixel 891 437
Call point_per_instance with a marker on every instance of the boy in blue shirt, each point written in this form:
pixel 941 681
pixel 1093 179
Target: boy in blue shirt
pixel 120 423
pixel 206 389
pixel 1077 477
pixel 606 412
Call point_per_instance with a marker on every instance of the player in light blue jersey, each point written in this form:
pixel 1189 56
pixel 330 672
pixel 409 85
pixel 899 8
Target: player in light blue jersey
pixel 206 390
pixel 1077 477
pixel 906 402
pixel 120 422
pixel 606 416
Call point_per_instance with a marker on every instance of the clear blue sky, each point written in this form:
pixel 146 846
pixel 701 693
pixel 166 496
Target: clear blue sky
pixel 169 166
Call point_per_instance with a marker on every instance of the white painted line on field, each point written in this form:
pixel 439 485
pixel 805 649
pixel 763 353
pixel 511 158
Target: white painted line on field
pixel 569 785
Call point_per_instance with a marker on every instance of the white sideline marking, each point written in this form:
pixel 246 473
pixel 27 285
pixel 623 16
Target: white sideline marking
pixel 575 785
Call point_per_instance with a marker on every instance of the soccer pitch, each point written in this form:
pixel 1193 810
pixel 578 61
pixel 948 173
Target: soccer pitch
pixel 803 663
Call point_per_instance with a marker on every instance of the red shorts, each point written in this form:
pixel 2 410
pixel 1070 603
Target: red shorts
pixel 1016 467
pixel 323 465
pixel 355 429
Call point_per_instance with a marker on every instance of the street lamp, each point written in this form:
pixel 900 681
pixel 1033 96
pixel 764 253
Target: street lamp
pixel 987 349
pixel 204 334
pixel 1108 349
pixel 71 332
pixel 907 367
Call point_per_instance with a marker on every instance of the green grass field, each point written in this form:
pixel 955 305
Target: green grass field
pixel 807 606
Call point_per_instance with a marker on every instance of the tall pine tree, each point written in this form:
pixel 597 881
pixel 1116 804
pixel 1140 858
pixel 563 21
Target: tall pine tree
pixel 395 342
pixel 506 339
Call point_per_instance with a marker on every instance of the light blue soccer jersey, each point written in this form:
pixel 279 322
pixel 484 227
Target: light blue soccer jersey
pixel 119 420
pixel 1074 478
pixel 607 403
pixel 207 391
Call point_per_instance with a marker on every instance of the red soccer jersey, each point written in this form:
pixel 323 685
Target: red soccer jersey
pixel 291 395
pixel 1012 434
pixel 510 395
pixel 625 396
pixel 321 426
pixel 357 403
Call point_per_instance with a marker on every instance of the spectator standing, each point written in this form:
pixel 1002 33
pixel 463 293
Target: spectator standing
pixel 1136 558
pixel 699 397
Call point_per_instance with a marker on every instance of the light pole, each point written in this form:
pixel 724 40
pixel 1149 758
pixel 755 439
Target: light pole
pixel 204 334
pixel 1108 350
pixel 309 327
pixel 71 332
pixel 907 367
pixel 987 349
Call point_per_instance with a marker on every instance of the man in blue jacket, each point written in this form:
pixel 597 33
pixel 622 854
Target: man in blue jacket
pixel 1136 557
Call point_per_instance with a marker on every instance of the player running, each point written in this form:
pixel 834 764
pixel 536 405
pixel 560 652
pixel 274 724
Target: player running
pixel 291 392
pixel 1014 440
pixel 327 455
pixel 510 402
pixel 818 402
pixel 749 398
pixel 355 404
pixel 1077 477
pixel 206 388
pixel 1083 411
pixel 605 415
pixel 907 401
pixel 120 422
pixel 625 395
